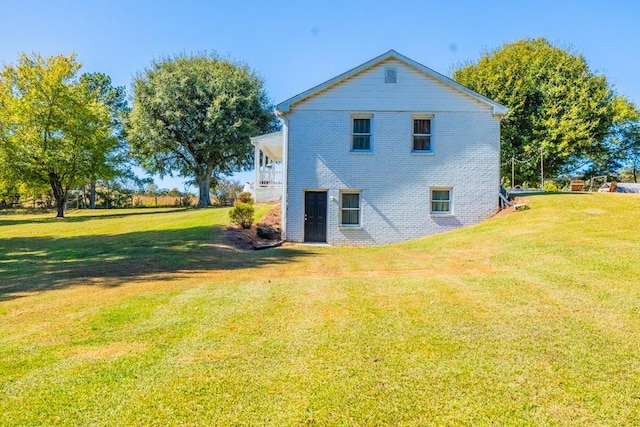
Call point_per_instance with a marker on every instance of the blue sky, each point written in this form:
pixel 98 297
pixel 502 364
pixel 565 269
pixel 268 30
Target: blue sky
pixel 295 45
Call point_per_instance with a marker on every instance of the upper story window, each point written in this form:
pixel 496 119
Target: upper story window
pixel 422 134
pixel 361 134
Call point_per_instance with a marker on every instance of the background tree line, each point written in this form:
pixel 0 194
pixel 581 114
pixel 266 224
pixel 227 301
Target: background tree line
pixel 193 115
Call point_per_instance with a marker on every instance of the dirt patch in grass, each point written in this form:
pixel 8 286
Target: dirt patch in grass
pixel 595 211
pixel 248 239
pixel 112 350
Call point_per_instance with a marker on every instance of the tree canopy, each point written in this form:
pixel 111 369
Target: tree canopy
pixel 624 140
pixel 557 106
pixel 53 130
pixel 194 114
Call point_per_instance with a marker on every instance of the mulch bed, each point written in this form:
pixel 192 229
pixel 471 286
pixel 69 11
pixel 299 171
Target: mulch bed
pixel 248 239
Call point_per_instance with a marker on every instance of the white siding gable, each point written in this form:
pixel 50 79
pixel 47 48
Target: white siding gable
pixel 413 91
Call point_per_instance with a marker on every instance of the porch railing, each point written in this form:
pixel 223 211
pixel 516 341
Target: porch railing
pixel 270 178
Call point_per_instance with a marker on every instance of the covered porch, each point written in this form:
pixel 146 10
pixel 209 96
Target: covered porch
pixel 268 180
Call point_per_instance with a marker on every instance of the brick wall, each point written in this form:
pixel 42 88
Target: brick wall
pixel 394 183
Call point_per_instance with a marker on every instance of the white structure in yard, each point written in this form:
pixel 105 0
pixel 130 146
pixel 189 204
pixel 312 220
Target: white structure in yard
pixel 386 152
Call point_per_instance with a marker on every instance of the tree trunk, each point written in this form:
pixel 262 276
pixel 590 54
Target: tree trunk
pixel 59 193
pixel 204 185
pixel 60 202
pixel 92 195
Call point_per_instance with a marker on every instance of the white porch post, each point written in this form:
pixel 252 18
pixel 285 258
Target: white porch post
pixel 256 168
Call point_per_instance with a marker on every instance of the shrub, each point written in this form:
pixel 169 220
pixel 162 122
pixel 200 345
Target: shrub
pixel 242 214
pixel 550 187
pixel 186 200
pixel 244 197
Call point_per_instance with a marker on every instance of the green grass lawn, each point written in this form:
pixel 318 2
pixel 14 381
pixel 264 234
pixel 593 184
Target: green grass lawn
pixel 147 318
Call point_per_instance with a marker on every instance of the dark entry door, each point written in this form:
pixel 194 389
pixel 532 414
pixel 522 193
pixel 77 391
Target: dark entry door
pixel 315 216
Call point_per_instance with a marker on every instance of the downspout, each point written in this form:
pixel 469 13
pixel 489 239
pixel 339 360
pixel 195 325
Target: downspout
pixel 285 172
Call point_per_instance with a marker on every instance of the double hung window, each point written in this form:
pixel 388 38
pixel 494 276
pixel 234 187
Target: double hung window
pixel 441 201
pixel 361 134
pixel 350 210
pixel 422 134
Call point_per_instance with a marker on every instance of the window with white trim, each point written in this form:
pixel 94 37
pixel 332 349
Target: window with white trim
pixel 441 199
pixel 422 134
pixel 361 133
pixel 350 209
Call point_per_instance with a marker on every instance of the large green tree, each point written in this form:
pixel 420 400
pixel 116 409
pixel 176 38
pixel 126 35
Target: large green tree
pixel 116 162
pixel 558 106
pixel 52 129
pixel 194 114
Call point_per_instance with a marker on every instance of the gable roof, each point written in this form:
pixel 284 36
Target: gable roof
pixel 285 106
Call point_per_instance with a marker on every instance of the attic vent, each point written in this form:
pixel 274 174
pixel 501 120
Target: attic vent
pixel 391 75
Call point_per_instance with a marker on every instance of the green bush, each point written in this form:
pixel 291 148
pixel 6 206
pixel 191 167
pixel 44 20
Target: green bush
pixel 550 187
pixel 242 214
pixel 244 197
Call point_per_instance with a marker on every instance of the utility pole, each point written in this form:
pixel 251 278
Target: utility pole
pixel 513 172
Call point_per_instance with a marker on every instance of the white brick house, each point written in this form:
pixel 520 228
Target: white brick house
pixel 386 152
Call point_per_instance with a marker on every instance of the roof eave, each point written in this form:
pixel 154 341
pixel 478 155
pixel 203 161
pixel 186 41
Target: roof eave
pixel 256 140
pixel 500 111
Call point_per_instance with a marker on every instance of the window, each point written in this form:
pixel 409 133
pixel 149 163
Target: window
pixel 441 200
pixel 350 210
pixel 421 134
pixel 361 134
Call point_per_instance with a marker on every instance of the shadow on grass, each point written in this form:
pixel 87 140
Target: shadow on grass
pixel 38 263
pixel 96 215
